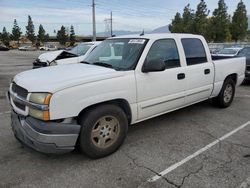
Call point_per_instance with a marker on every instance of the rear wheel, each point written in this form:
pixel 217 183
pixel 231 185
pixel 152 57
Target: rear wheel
pixel 104 129
pixel 226 95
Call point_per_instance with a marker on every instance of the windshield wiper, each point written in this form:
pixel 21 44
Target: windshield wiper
pixel 103 64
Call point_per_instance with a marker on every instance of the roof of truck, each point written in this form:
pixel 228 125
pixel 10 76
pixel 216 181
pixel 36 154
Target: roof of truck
pixel 159 35
pixel 92 42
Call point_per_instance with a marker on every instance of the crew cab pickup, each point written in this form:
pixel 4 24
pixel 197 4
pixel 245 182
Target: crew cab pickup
pixel 123 81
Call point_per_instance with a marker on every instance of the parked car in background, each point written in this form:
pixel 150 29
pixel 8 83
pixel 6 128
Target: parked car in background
pixel 42 48
pixel 27 48
pixel 123 81
pixel 49 47
pixel 60 57
pixel 4 48
pixel 214 51
pixel 245 52
pixel 228 52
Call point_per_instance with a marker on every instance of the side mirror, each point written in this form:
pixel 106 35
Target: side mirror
pixel 154 65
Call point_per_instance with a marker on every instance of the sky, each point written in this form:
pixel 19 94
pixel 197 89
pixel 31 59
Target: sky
pixel 132 15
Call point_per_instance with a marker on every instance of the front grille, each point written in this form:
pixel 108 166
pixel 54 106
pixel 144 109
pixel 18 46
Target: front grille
pixel 19 90
pixel 18 105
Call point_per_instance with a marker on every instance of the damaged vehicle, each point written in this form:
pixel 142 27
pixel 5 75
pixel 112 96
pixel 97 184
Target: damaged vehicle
pixel 61 57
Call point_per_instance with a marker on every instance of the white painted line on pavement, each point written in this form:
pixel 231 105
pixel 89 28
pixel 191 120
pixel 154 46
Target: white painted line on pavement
pixel 176 165
pixel 243 96
pixel 6 112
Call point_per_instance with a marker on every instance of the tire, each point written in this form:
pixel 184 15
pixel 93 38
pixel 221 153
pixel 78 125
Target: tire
pixel 104 129
pixel 226 95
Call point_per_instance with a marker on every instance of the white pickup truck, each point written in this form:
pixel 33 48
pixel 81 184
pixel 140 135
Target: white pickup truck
pixel 91 104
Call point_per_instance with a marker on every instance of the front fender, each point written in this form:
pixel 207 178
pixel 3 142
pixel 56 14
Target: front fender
pixel 71 101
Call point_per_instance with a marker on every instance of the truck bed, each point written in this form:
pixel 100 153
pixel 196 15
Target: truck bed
pixel 221 57
pixel 228 66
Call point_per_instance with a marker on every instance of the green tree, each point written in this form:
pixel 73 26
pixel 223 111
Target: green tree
pixel 177 24
pixel 239 24
pixel 30 30
pixel 41 34
pixel 46 38
pixel 62 37
pixel 209 34
pixel 220 26
pixel 72 36
pixel 5 37
pixel 200 20
pixel 16 32
pixel 248 36
pixel 188 20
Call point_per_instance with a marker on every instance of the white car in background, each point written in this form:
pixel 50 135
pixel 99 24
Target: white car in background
pixel 26 48
pixel 228 52
pixel 50 47
pixel 61 57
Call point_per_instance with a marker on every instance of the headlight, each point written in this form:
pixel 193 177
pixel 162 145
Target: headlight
pixel 42 99
pixel 39 114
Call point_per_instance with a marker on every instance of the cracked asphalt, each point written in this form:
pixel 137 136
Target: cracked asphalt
pixel 151 147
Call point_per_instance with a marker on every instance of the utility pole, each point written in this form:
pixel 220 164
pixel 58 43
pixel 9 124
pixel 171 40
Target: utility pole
pixel 93 20
pixel 111 24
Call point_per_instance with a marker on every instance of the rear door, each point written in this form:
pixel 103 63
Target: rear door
pixel 199 71
pixel 159 92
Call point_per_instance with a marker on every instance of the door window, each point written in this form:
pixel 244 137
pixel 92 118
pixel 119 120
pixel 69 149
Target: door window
pixel 194 51
pixel 165 50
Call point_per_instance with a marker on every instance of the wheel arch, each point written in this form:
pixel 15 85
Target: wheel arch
pixel 122 103
pixel 233 76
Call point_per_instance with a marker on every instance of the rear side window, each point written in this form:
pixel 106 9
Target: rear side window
pixel 194 51
pixel 165 50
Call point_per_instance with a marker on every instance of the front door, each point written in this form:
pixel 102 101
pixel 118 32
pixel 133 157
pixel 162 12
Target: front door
pixel 159 92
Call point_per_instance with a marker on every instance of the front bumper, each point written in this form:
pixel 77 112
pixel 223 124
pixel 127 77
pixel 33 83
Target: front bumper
pixel 45 137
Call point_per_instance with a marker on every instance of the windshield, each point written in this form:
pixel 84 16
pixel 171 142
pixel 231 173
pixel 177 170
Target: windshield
pixel 120 54
pixel 245 52
pixel 80 49
pixel 228 51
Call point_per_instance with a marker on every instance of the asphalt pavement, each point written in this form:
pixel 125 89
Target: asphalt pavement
pixel 198 146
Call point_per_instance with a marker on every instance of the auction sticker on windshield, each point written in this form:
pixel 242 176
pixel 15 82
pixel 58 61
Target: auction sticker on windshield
pixel 136 41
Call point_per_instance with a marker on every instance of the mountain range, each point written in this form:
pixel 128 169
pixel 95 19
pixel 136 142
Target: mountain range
pixel 163 29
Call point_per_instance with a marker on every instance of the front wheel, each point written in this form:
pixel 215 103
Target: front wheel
pixel 226 95
pixel 103 131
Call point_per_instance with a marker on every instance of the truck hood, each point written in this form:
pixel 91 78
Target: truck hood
pixel 56 78
pixel 51 56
